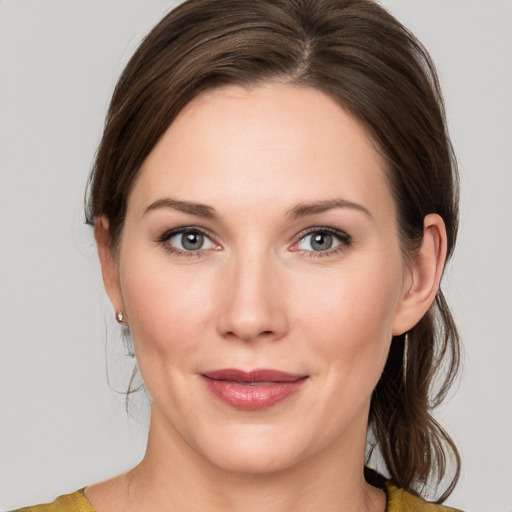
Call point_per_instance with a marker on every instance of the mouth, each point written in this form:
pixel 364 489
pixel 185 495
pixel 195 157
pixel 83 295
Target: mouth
pixel 254 390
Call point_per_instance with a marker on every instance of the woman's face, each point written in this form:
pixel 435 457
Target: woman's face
pixel 261 276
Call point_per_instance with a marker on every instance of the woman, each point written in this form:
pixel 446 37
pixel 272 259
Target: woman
pixel 274 200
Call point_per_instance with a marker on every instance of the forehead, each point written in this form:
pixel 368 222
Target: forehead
pixel 265 144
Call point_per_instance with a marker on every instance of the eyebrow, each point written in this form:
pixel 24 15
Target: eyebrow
pixel 201 210
pixel 304 209
pixel 298 211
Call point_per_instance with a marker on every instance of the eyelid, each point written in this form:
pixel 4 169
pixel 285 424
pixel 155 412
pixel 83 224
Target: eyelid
pixel 345 240
pixel 170 233
pixel 183 229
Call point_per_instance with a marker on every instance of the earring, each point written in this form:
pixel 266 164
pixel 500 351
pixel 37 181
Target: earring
pixel 404 360
pixel 120 318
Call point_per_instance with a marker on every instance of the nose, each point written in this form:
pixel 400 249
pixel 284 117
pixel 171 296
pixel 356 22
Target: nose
pixel 253 302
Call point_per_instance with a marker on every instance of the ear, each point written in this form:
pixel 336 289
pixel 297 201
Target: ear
pixel 109 264
pixel 425 271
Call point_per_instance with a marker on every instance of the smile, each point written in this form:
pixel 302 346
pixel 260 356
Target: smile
pixel 252 391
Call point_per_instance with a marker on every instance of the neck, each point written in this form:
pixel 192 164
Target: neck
pixel 173 476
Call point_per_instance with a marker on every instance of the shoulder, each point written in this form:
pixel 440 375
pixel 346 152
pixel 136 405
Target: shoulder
pixel 400 500
pixel 75 502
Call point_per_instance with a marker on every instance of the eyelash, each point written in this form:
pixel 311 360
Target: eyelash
pixel 344 239
pixel 167 235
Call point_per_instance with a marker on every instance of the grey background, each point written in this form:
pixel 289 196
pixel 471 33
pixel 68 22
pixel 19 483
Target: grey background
pixel 62 427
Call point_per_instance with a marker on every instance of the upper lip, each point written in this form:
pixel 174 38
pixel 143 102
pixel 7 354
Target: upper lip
pixel 258 375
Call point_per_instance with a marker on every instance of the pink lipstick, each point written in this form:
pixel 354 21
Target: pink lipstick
pixel 254 390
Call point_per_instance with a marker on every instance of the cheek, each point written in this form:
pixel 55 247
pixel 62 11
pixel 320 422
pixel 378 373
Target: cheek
pixel 350 314
pixel 359 300
pixel 168 307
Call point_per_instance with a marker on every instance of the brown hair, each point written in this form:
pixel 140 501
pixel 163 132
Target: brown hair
pixel 358 54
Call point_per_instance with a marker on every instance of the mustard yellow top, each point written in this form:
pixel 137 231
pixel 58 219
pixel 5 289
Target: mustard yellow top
pixel 398 501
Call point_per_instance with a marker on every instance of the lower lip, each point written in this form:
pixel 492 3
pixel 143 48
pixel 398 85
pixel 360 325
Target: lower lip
pixel 254 396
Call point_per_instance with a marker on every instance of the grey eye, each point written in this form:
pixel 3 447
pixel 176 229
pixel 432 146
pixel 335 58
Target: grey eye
pixel 318 241
pixel 191 240
pixel 321 242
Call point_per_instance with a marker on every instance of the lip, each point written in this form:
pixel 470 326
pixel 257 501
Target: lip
pixel 252 390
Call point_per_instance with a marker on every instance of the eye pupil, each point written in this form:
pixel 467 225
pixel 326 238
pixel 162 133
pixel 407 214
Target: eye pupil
pixel 192 240
pixel 321 242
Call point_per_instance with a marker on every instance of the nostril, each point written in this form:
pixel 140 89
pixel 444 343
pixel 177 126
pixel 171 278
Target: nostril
pixel 262 333
pixel 246 336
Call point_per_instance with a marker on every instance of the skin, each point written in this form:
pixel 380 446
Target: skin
pixel 258 296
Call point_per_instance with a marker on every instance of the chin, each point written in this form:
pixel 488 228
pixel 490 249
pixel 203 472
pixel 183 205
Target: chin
pixel 255 451
pixel 255 462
